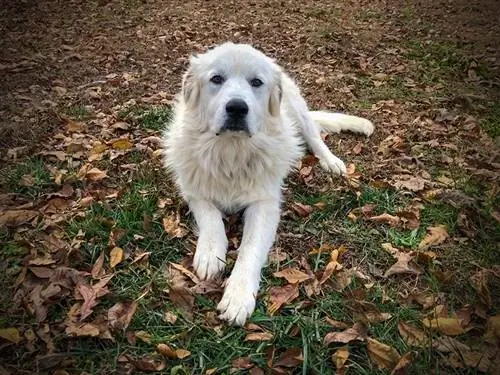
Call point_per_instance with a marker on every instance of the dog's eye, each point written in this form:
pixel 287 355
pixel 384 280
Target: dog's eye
pixel 217 79
pixel 256 82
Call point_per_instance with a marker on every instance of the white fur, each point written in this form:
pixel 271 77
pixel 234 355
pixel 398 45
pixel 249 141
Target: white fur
pixel 223 172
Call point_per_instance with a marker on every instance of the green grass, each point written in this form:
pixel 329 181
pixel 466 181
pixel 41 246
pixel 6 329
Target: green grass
pixel 78 112
pixel 491 122
pixel 30 178
pixel 153 118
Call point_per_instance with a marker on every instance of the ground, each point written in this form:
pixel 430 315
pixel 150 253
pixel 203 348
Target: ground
pixel 393 270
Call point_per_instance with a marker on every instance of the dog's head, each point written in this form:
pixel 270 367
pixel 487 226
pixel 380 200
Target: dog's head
pixel 232 89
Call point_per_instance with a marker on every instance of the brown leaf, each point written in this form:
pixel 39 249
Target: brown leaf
pixel 412 335
pixel 14 218
pixel 402 365
pixel 115 256
pixel 385 218
pixel 384 356
pixel 437 235
pixel 149 364
pixel 173 226
pixel 120 314
pixel 292 275
pixel 303 210
pixel 290 358
pixel 143 336
pixel 445 325
pixel 408 182
pixel 169 317
pixel 42 272
pixel 89 299
pixel 358 332
pixel 259 336
pixel 195 279
pixel 480 281
pixel 82 329
pixel 404 265
pixel 10 334
pixel 183 299
pixel 339 358
pixel 242 363
pixel 279 296
pixel 182 353
pixel 97 267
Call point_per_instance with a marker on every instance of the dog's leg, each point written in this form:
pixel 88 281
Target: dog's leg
pixel 261 223
pixel 299 112
pixel 210 257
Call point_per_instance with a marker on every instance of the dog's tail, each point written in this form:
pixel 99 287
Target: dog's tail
pixel 337 122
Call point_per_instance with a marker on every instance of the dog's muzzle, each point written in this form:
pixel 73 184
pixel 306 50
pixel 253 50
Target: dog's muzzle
pixel 236 117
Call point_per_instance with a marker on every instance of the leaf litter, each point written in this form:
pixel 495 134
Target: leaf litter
pixel 399 157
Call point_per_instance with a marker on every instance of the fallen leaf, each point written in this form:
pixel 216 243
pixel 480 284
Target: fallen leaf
pixel 402 365
pixel 279 296
pixel 122 144
pixel 358 332
pixel 290 358
pixel 386 218
pixel 120 314
pixel 404 265
pixel 303 210
pixel 241 363
pixel 384 356
pixel 82 329
pixel 89 299
pixel 408 182
pixel 292 275
pixel 169 317
pixel 445 325
pixel 149 364
pixel 14 218
pixel 173 226
pixel 339 358
pixel 97 267
pixel 480 281
pixel 436 236
pixel 183 299
pixel 182 353
pixel 143 336
pixel 412 335
pixel 259 336
pixel 115 256
pixel 10 334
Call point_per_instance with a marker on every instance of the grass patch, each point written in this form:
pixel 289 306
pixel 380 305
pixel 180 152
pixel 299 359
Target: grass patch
pixel 155 118
pixel 30 178
pixel 78 112
pixel 491 122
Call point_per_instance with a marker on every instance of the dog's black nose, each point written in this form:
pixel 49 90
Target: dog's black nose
pixel 237 108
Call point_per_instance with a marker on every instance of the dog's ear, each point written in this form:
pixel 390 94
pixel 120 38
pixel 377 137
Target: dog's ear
pixel 275 99
pixel 190 85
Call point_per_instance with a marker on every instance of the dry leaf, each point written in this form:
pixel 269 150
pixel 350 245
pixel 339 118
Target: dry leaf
pixel 290 358
pixel 120 314
pixel 122 144
pixel 437 235
pixel 143 336
pixel 385 218
pixel 339 358
pixel 183 299
pixel 149 364
pixel 292 275
pixel 10 334
pixel 82 329
pixel 14 218
pixel 259 336
pixel 404 265
pixel 241 363
pixel 115 256
pixel 173 226
pixel 303 210
pixel 412 335
pixel 89 299
pixel 97 267
pixel 357 332
pixel 279 296
pixel 169 317
pixel 384 356
pixel 402 365
pixel 445 325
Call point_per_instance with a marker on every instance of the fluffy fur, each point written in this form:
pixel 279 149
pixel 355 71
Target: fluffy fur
pixel 221 171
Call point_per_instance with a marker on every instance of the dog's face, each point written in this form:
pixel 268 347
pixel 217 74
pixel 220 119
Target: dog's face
pixel 232 89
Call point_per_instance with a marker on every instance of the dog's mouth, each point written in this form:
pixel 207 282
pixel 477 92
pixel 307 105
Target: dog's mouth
pixel 237 126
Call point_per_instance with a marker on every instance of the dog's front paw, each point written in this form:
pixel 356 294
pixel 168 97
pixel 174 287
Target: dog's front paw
pixel 238 301
pixel 333 164
pixel 209 258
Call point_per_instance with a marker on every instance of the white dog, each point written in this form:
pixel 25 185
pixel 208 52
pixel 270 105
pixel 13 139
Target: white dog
pixel 235 136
